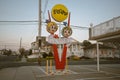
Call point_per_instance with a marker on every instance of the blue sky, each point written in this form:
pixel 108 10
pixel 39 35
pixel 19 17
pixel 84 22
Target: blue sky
pixel 83 12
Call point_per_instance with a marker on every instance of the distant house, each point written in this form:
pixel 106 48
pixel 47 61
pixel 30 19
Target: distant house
pixel 75 47
pixel 104 51
pixel 34 47
pixel 1 51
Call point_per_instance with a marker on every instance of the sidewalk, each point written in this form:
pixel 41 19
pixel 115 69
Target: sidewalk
pixel 77 72
pixel 18 73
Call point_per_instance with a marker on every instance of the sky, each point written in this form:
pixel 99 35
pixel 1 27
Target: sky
pixel 83 12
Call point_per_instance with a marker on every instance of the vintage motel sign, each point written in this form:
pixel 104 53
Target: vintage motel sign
pixel 59 13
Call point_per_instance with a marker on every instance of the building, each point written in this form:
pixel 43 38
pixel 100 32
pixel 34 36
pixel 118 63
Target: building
pixel 104 51
pixel 108 33
pixel 75 48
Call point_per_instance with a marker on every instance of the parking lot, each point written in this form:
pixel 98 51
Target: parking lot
pixel 74 72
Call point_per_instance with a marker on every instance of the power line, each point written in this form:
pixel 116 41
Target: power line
pixel 45 8
pixel 79 27
pixel 30 22
pixel 35 23
pixel 20 21
pixel 18 24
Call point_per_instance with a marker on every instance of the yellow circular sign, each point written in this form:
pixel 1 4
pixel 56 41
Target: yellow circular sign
pixel 59 12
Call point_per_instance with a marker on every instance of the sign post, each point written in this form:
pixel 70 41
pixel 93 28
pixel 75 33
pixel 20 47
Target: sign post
pixel 98 57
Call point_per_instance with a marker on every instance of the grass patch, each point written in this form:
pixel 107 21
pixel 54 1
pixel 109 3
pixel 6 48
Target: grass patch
pixel 32 59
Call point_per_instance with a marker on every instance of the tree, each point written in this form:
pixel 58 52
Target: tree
pixel 86 43
pixel 22 51
pixel 7 52
pixel 30 51
pixel 44 55
pixel 50 54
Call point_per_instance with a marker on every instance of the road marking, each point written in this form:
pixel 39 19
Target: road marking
pixel 90 69
pixel 42 70
pixel 54 72
pixel 98 78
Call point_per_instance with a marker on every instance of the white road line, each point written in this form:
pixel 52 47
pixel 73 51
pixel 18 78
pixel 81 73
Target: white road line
pixel 90 72
pixel 110 73
pixel 42 70
pixel 101 71
pixel 54 72
pixel 87 68
pixel 72 72
pixel 98 78
pixel 95 71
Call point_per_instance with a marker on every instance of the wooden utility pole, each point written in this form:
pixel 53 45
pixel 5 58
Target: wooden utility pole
pixel 39 27
pixel 20 42
pixel 40 21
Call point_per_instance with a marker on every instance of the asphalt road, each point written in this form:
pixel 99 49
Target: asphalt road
pixel 5 64
pixel 73 72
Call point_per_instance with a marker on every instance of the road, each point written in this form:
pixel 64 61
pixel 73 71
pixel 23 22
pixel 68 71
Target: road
pixel 73 72
pixel 5 64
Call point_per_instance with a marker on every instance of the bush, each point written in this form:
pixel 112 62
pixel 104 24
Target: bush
pixel 76 58
pixel 44 55
pixel 83 57
pixel 32 59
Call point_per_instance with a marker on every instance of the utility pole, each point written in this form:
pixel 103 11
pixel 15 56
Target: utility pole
pixel 39 26
pixel 39 22
pixel 20 42
pixel 20 46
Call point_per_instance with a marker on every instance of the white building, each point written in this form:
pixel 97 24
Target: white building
pixel 104 51
pixel 108 33
pixel 74 49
